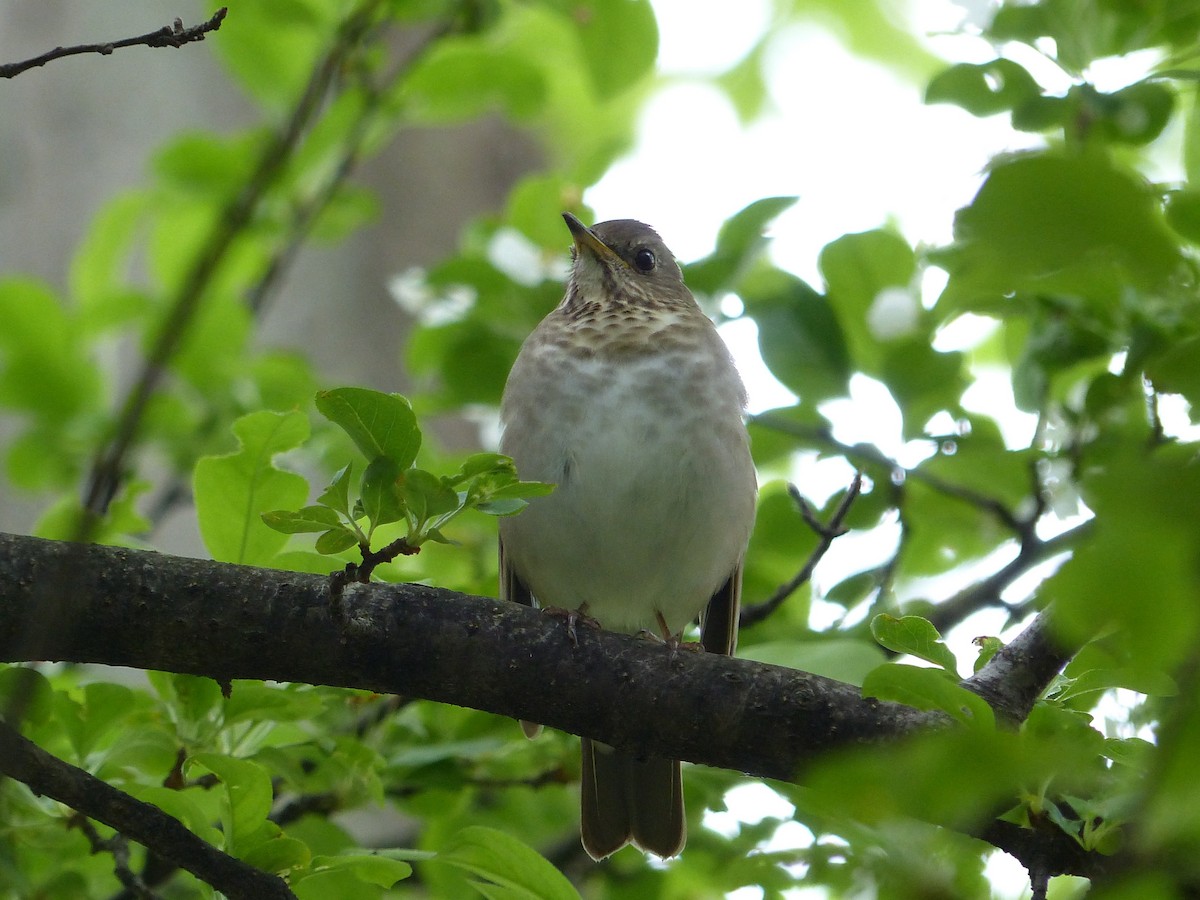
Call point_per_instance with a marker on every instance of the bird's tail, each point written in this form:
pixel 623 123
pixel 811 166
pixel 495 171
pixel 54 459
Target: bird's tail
pixel 626 799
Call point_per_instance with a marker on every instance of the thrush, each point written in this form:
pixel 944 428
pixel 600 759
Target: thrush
pixel 626 398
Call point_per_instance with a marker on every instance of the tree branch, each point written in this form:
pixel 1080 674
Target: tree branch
pixel 173 35
pixel 864 454
pixel 152 611
pixel 51 777
pixel 147 610
pixel 949 612
pixel 826 534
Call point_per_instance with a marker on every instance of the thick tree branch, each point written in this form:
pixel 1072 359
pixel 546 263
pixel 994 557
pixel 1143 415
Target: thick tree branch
pixel 51 777
pixel 147 610
pixel 136 608
pixel 173 35
pixel 1021 671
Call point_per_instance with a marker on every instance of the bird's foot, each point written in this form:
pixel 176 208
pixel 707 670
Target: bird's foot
pixel 573 617
pixel 673 642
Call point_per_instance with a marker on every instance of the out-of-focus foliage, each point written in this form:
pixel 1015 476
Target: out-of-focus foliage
pixel 1082 269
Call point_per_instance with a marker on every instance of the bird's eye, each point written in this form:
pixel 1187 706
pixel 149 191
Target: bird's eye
pixel 644 260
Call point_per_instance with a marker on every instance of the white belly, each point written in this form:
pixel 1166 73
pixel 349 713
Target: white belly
pixel 655 496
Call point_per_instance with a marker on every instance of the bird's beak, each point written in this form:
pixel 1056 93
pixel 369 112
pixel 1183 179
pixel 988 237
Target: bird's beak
pixel 585 239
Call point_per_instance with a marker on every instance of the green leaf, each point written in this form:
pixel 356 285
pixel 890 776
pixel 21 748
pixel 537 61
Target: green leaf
pixel 44 368
pixel 1045 222
pixel 181 805
pixel 921 380
pixel 336 540
pixel 509 489
pixel 379 424
pixel 1177 370
pixel 302 521
pixel 988 646
pixel 1133 752
pixel 461 77
pixel 619 41
pixel 231 491
pixel 983 90
pixel 928 689
pixel 739 244
pixel 1138 114
pixel 30 689
pixel 484 463
pixel 858 270
pixel 272 46
pixel 381 495
pixel 745 84
pixel 280 854
pixel 799 335
pixel 195 702
pixel 99 273
pixel 535 207
pixel 372 868
pixel 380 492
pixel 337 495
pixel 206 164
pixel 427 496
pixel 248 797
pixel 503 507
pixel 349 209
pixel 916 637
pixel 499 858
pixel 355 878
pixel 1183 213
pixel 1144 681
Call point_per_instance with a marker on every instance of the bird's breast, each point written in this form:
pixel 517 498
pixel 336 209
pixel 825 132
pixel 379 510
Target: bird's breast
pixel 655 487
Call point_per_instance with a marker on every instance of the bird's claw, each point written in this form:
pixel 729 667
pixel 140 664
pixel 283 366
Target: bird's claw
pixel 573 617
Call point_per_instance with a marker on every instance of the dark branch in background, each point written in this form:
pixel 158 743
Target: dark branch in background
pixel 108 466
pixel 752 615
pixel 1032 549
pixel 174 35
pixel 49 776
pixel 303 216
pixel 948 613
pixel 118 846
pixel 859 454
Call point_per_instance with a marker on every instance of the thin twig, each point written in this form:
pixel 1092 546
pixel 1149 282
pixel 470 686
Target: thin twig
pixel 865 453
pixel 173 35
pixel 361 572
pixel 118 846
pixel 826 534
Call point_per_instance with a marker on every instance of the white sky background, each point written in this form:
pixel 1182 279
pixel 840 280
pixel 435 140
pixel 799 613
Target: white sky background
pixel 858 147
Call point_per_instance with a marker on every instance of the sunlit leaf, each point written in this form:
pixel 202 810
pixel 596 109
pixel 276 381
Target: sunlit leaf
pixel 379 424
pixel 232 491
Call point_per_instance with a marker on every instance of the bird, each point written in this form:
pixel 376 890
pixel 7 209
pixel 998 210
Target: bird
pixel 626 398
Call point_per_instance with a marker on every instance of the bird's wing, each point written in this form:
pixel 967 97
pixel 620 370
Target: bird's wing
pixel 511 586
pixel 719 623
